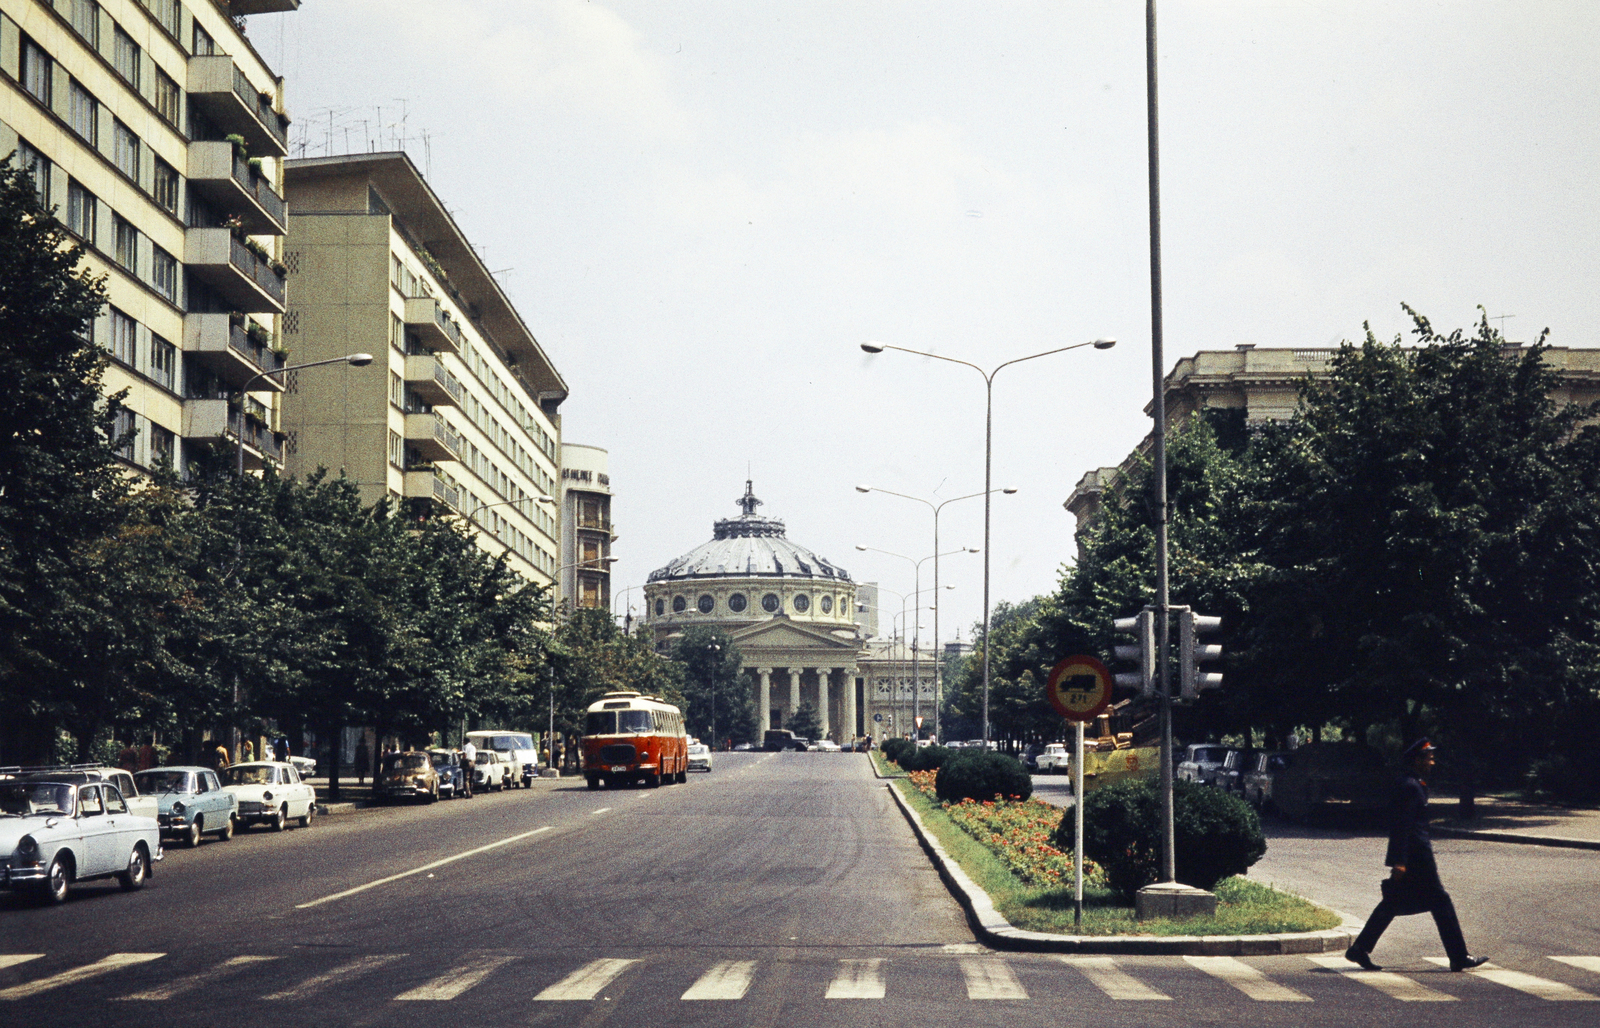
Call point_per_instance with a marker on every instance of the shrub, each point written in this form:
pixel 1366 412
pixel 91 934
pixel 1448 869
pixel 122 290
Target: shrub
pixel 982 775
pixel 927 758
pixel 1217 834
pixel 895 749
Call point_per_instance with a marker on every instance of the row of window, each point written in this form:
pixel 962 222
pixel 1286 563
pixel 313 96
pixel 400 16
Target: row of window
pixel 141 350
pixel 127 57
pixel 738 603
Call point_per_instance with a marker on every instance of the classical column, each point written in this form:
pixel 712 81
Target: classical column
pixel 765 694
pixel 823 674
pixel 794 691
pixel 849 704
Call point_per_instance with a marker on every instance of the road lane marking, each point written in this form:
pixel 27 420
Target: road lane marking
pixel 311 986
pixel 587 981
pixel 1247 979
pixel 13 959
pixel 114 962
pixel 459 979
pixel 991 978
pixel 963 947
pixel 1586 963
pixel 858 979
pixel 188 983
pixel 602 810
pixel 419 870
pixel 728 979
pixel 1533 985
pixel 1110 979
pixel 1393 985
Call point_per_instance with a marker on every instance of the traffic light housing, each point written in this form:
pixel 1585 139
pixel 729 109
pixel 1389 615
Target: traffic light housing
pixel 1142 627
pixel 1192 653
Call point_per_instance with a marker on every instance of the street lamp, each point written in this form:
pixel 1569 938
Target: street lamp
pixel 988 482
pixel 608 561
pixel 938 667
pixel 355 360
pixel 895 634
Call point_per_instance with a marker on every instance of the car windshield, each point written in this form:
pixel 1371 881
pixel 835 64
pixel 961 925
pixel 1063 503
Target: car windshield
pixel 248 775
pixel 37 798
pixel 1210 755
pixel 166 781
pixel 699 748
pixel 441 758
pixel 413 761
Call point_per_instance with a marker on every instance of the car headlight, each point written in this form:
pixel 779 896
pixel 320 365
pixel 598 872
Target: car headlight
pixel 178 808
pixel 28 846
pixel 267 795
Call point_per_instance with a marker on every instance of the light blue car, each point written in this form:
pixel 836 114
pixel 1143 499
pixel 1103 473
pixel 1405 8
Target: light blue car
pixel 190 802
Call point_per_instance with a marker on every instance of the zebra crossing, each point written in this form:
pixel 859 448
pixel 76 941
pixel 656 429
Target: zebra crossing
pixel 983 975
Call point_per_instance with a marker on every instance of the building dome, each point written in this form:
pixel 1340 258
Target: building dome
pixel 749 546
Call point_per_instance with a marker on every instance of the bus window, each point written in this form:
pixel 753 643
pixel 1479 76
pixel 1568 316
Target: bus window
pixel 601 722
pixel 633 720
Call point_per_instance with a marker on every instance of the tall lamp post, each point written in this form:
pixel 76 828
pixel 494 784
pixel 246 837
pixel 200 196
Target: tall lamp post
pixel 895 633
pixel 938 667
pixel 355 360
pixel 988 462
pixel 607 561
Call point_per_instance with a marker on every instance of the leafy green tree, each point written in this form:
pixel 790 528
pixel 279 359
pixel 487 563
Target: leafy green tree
pixel 591 656
pixel 804 723
pixel 714 686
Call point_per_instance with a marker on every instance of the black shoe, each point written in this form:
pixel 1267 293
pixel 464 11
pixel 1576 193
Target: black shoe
pixel 1361 959
pixel 1467 963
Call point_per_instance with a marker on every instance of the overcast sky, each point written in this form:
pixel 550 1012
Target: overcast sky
pixel 703 208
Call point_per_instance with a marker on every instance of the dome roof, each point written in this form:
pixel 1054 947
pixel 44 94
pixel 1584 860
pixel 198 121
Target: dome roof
pixel 749 546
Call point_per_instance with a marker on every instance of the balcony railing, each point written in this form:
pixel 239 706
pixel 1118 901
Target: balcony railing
pixel 595 524
pixel 250 263
pixel 220 173
pixel 433 437
pixel 214 341
pixel 433 382
pixel 257 436
pixel 243 280
pixel 433 324
pixel 226 95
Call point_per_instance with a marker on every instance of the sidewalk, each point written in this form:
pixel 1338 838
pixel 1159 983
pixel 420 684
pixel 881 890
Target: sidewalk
pixel 1504 819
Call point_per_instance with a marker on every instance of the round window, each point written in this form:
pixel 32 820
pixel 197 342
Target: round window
pixel 770 603
pixel 679 604
pixel 827 604
pixel 802 603
pixel 661 607
pixel 737 603
pixel 706 603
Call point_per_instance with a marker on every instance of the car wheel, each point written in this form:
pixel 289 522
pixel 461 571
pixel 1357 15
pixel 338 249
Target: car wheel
pixel 58 880
pixel 192 839
pixel 138 870
pixel 227 829
pixel 311 812
pixel 280 818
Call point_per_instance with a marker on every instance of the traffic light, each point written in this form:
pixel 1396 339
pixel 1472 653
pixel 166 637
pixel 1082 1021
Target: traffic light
pixel 1141 626
pixel 1191 653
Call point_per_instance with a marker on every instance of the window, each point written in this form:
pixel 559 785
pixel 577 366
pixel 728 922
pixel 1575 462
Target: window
pixel 86 21
pixel 122 432
pixel 204 45
pixel 397 390
pixel 164 273
pixel 397 449
pixel 802 603
pixel 125 242
pixel 83 113
pixel 36 71
pixel 127 58
pixel 37 165
pixel 82 208
pixel 827 604
pixel 397 332
pixel 661 607
pixel 770 603
pixel 161 446
pixel 169 98
pixel 125 149
pixel 163 362
pixel 123 337
pixel 706 604
pixel 737 603
pixel 679 604
pixel 166 14
pixel 166 186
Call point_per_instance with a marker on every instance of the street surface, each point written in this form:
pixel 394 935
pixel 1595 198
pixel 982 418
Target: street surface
pixel 781 889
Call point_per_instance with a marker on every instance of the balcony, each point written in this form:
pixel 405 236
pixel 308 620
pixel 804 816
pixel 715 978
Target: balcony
pixel 213 342
pixel 243 280
pixel 225 96
pixel 219 174
pixel 430 485
pixel 219 423
pixel 595 524
pixel 432 382
pixel 263 6
pixel 432 437
pixel 436 329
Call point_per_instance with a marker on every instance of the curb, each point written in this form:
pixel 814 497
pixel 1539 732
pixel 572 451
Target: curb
pixel 995 931
pixel 1526 840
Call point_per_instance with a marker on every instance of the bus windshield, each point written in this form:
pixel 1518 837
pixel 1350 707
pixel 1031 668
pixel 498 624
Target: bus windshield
pixel 633 721
pixel 601 722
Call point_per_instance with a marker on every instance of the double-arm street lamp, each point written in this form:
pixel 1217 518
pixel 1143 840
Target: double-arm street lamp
pixel 988 462
pixel 355 360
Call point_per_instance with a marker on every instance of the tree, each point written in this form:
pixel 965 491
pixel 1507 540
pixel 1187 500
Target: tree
pixel 714 686
pixel 804 723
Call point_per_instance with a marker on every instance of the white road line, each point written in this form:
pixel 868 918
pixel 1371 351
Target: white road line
pixel 1533 985
pixel 13 959
pixel 114 962
pixel 602 810
pixel 1247 979
pixel 587 981
pixel 419 870
pixel 991 978
pixel 857 979
pixel 963 947
pixel 1394 985
pixel 311 986
pixel 728 979
pixel 1110 979
pixel 459 979
pixel 188 983
pixel 1586 963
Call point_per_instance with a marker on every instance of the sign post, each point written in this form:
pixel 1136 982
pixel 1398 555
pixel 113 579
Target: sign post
pixel 1079 689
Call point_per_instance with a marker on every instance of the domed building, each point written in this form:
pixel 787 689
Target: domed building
pixel 791 613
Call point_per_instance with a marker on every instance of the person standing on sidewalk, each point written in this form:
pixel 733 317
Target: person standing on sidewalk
pixel 1413 885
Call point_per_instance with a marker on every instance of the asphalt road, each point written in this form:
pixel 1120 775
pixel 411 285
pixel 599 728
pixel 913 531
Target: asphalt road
pixel 782 889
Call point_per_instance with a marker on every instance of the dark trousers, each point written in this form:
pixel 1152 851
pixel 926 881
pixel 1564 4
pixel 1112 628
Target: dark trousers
pixel 1427 888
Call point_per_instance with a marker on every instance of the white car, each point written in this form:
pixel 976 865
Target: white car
pixel 699 757
pixel 1055 760
pixel 55 833
pixel 515 749
pixel 270 792
pixel 825 746
pixel 489 772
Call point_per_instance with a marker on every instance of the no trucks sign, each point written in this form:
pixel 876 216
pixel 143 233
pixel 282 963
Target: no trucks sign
pixel 1079 688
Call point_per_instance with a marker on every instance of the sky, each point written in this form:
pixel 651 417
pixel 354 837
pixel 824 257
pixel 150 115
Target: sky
pixel 703 208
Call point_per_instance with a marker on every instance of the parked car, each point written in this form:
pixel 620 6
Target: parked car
pixel 1055 759
pixel 1200 762
pixel 825 746
pixel 744 747
pixel 699 757
pixel 1256 784
pixel 447 765
pixel 55 833
pixel 800 745
pixel 778 739
pixel 304 766
pixel 1230 776
pixel 138 803
pixel 191 802
pixel 490 772
pixel 407 775
pixel 270 792
pixel 516 750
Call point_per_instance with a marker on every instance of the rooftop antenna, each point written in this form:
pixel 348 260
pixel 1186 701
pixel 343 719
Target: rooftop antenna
pixel 1502 319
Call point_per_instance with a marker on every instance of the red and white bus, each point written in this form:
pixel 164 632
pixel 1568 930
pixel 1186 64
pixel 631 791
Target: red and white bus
pixel 629 737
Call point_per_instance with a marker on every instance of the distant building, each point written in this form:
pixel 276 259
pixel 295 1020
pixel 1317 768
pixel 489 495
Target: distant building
pixel 586 528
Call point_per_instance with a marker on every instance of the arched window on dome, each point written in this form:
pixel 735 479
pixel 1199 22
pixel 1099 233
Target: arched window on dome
pixel 679 604
pixel 770 603
pixel 737 603
pixel 661 607
pixel 827 604
pixel 706 603
pixel 802 603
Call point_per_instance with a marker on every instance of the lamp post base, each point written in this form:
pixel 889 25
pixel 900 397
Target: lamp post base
pixel 1173 900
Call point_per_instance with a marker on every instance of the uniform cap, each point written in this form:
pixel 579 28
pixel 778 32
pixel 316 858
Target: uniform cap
pixel 1418 748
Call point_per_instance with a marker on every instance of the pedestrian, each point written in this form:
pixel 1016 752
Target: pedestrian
pixel 469 758
pixel 147 755
pixel 281 747
pixel 221 757
pixel 247 752
pixel 363 759
pixel 1413 884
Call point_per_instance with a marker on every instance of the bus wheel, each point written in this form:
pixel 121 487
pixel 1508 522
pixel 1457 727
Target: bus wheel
pixel 653 781
pixel 594 781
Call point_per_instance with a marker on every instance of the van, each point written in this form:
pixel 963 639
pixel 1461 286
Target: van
pixel 514 748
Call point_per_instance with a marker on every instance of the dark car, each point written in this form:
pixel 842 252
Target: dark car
pixel 778 739
pixel 447 763
pixel 1327 778
pixel 1256 783
pixel 1201 762
pixel 1230 776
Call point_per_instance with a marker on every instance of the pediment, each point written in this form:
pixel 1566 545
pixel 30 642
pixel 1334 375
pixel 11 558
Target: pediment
pixel 781 633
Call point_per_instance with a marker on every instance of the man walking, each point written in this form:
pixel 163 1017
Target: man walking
pixel 1413 885
pixel 469 759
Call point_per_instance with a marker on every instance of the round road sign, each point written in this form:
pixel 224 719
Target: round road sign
pixel 1079 688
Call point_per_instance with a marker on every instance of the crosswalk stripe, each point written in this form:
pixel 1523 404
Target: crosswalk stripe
pixel 587 981
pixel 77 974
pixel 1586 963
pixel 312 986
pixel 729 979
pixel 1247 979
pixel 991 978
pixel 1533 985
pixel 460 978
pixel 1394 985
pixel 179 986
pixel 857 979
pixel 13 959
pixel 1110 979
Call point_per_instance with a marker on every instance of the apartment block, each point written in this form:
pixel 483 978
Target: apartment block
pixel 586 528
pixel 158 134
pixel 458 413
